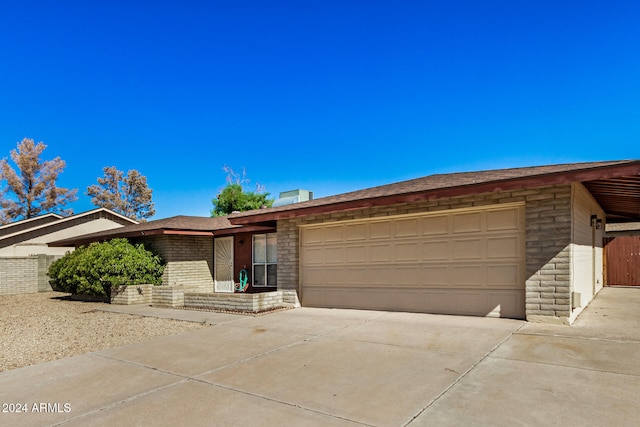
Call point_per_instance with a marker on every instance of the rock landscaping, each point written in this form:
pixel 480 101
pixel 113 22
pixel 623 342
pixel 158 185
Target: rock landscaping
pixel 46 326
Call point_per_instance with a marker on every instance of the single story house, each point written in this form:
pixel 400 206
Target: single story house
pixel 523 243
pixel 25 253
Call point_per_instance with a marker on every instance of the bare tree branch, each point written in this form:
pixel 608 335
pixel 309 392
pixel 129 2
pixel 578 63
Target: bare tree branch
pixel 32 189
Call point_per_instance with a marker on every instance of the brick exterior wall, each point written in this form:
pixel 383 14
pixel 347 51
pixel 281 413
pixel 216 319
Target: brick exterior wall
pixel 180 248
pixel 548 285
pixel 24 275
pixel 189 260
pixel 548 238
pixel 192 275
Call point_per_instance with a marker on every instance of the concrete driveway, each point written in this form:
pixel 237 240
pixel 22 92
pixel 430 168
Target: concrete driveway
pixel 348 367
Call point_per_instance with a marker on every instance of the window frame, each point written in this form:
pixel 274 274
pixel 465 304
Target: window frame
pixel 270 258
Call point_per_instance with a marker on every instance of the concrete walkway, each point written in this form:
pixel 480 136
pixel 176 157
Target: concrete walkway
pixel 348 367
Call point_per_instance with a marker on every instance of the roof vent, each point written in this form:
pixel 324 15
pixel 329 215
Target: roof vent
pixel 293 196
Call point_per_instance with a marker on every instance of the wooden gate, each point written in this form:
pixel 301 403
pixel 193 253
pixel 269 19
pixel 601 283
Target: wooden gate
pixel 623 261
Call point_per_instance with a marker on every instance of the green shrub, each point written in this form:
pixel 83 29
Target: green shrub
pixel 94 269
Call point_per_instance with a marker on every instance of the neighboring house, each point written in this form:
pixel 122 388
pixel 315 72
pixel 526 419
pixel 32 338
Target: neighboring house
pixel 25 253
pixel 522 243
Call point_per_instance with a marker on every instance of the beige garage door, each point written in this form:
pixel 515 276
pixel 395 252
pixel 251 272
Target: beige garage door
pixel 468 261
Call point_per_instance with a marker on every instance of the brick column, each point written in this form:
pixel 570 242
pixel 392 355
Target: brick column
pixel 548 285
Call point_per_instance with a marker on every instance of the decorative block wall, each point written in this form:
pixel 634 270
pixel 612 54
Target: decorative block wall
pixel 168 296
pixel 132 294
pixel 252 303
pixel 18 275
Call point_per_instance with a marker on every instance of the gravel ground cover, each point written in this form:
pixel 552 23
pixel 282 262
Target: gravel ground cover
pixel 46 326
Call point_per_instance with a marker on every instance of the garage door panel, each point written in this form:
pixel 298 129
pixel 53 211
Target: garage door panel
pixel 465 249
pixel 408 228
pixel 437 250
pixel 380 230
pixel 507 304
pixel 313 236
pixel 436 275
pixel 390 276
pixel 334 233
pixel 333 255
pixel 312 276
pixel 323 276
pixel 459 262
pixel 381 253
pixel 435 225
pixel 407 252
pixel 504 247
pixel 471 303
pixel 504 219
pixel 355 276
pixel 357 254
pixel 312 256
pixel 435 301
pixel 504 275
pixel 357 232
pixel 378 299
pixel 490 304
pixel 380 276
pixel 408 276
pixel 469 275
pixel 467 222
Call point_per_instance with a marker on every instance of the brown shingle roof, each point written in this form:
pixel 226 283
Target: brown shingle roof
pixel 194 225
pixel 183 222
pixel 441 185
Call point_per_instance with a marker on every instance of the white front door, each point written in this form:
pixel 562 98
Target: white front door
pixel 223 264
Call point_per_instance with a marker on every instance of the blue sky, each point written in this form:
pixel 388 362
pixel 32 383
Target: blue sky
pixel 329 96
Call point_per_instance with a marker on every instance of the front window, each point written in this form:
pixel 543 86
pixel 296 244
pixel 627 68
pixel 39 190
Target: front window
pixel 265 259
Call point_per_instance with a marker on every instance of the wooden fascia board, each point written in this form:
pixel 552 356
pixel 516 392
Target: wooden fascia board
pixel 556 178
pixel 165 232
pixel 245 229
pixel 137 233
pixel 181 233
pixel 221 232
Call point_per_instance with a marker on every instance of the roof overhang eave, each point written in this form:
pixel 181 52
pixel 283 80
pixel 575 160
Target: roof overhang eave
pixel 165 232
pixel 555 178
pixel 142 233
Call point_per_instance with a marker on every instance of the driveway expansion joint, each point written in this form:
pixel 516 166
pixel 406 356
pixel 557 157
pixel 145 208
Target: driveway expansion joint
pixel 196 378
pixel 120 402
pixel 564 365
pixel 461 377
pixel 282 402
pixel 578 337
